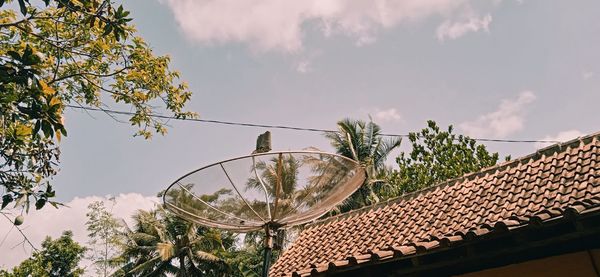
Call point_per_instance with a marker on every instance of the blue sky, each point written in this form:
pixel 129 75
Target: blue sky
pixel 497 69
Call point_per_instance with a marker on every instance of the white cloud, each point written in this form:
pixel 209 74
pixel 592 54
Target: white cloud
pixel 279 24
pixel 561 136
pixel 455 29
pixel 389 115
pixel 507 119
pixel 303 66
pixel 52 222
pixel 586 75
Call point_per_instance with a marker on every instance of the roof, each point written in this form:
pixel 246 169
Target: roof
pixel 559 179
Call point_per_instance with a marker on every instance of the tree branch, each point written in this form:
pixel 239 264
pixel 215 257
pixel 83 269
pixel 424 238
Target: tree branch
pixel 26 239
pixel 90 74
pixel 53 44
pixel 14 24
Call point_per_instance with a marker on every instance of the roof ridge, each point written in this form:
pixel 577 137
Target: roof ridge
pixel 546 151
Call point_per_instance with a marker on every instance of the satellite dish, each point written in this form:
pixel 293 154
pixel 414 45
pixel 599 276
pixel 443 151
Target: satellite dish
pixel 264 191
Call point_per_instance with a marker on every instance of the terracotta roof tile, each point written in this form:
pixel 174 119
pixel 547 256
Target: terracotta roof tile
pixel 560 180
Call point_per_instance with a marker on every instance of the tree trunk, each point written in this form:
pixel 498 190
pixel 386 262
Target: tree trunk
pixel 105 262
pixel 182 269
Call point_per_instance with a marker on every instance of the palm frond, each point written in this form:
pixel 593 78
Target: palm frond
pixel 165 250
pixel 146 266
pixel 161 269
pixel 205 256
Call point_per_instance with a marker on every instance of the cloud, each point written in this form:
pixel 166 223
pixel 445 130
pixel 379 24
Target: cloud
pixel 507 119
pixel 280 24
pixel 586 75
pixel 303 66
pixel 389 115
pixel 52 222
pixel 561 136
pixel 454 30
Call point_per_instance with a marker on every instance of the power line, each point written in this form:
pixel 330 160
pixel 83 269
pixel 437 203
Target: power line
pixel 284 127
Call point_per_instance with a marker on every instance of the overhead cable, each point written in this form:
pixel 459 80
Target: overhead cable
pixel 285 127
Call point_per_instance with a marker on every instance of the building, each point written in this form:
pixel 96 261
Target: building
pixel 534 216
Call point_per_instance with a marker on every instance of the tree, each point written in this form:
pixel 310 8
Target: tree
pixel 247 261
pixel 437 156
pixel 106 236
pixel 57 258
pixel 235 257
pixel 162 244
pixel 364 143
pixel 56 53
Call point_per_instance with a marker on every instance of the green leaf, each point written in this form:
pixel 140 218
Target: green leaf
pixel 23 7
pixel 37 127
pixel 50 192
pixel 6 199
pixel 28 52
pixel 29 58
pixel 47 129
pixel 55 204
pixel 63 131
pixel 107 29
pixel 40 203
pixel 14 55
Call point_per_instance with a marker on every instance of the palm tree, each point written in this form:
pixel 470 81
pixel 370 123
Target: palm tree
pixel 161 244
pixel 280 176
pixel 363 142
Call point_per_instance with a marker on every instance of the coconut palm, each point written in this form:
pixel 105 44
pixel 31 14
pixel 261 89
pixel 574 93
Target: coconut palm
pixel 364 143
pixel 280 176
pixel 161 244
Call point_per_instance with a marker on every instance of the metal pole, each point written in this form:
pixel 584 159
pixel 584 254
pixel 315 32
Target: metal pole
pixel 267 252
pixel 266 261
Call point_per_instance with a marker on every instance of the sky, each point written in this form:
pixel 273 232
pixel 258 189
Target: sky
pixel 493 69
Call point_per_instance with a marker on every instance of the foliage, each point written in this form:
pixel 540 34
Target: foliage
pixel 57 258
pixel 161 244
pixel 364 143
pixel 437 156
pixel 279 176
pixel 248 260
pixel 106 237
pixel 56 53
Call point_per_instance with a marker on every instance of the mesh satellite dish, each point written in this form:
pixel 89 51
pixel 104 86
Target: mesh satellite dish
pixel 264 191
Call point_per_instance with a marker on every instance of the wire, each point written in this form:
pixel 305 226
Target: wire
pixel 25 238
pixel 245 124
